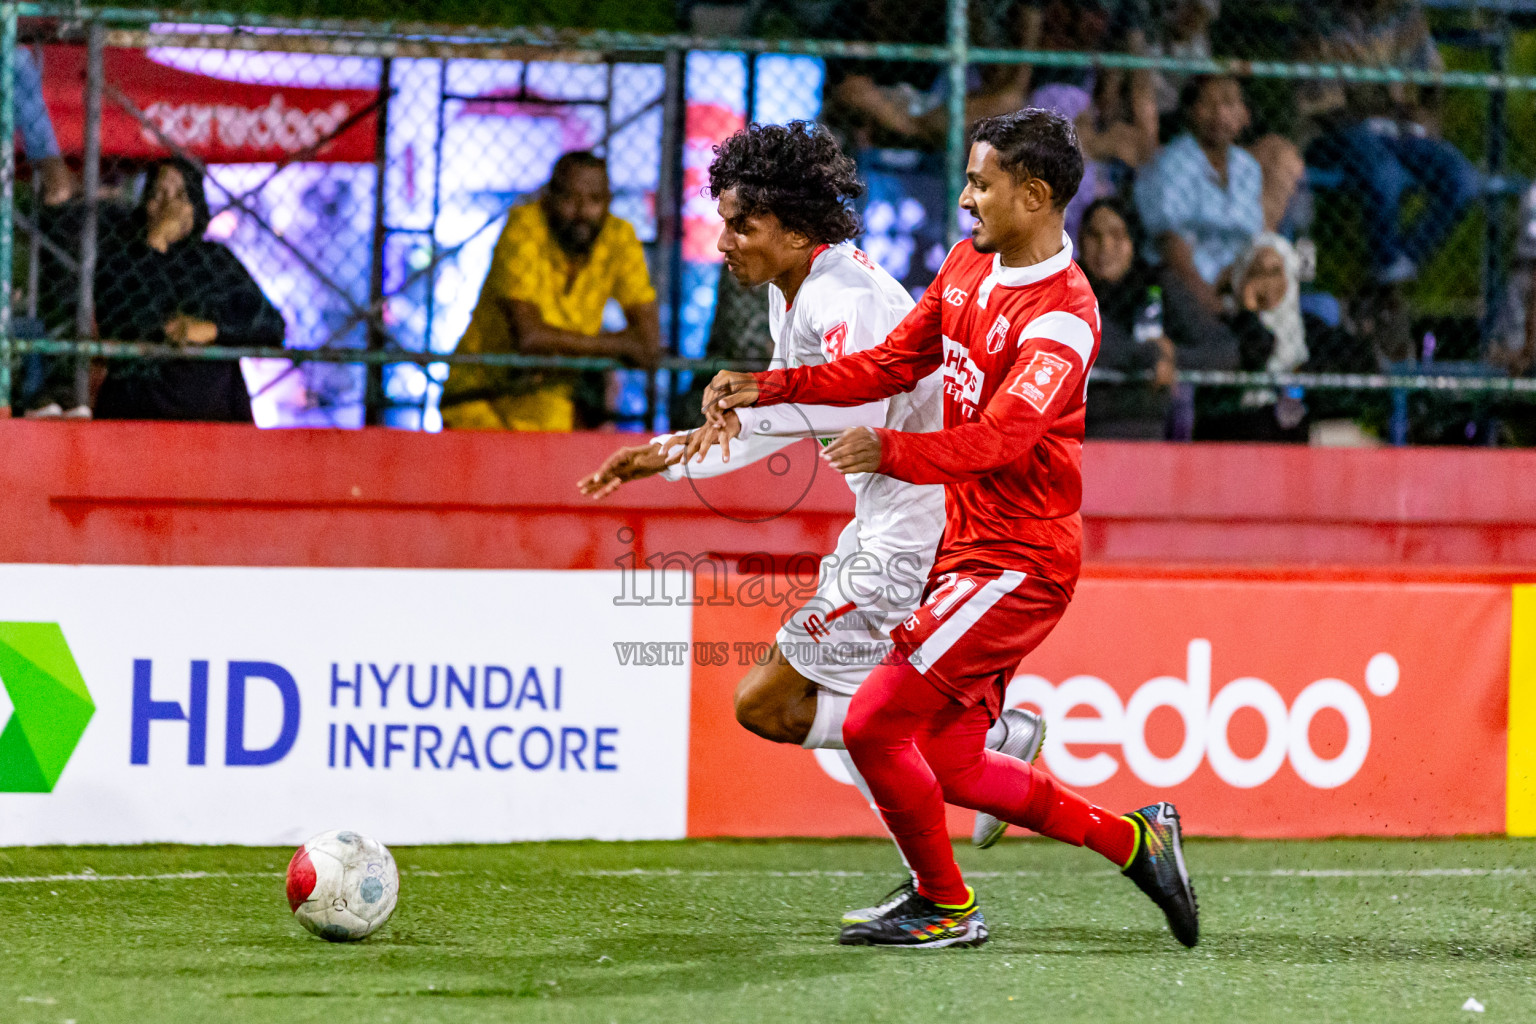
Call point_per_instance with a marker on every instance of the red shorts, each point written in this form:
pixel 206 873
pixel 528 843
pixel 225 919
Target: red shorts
pixel 973 628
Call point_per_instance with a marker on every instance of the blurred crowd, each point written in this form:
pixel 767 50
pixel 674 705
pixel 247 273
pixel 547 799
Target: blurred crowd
pixel 1199 217
pixel 1209 204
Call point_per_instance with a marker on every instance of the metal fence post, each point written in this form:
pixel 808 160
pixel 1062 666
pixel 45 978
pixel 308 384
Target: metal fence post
pixel 668 272
pixel 954 148
pixel 85 308
pixel 7 191
pixel 375 403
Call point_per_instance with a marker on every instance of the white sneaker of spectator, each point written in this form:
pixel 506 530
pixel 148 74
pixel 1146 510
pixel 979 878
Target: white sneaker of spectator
pixel 79 412
pixel 51 411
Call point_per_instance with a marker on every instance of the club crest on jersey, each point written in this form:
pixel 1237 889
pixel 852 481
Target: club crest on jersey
pixel 835 342
pixel 955 296
pixel 1040 380
pixel 997 337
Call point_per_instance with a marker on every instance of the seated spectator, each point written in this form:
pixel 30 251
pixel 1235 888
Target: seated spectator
pixel 1266 286
pixel 1150 322
pixel 1201 199
pixel 1384 138
pixel 1264 315
pixel 167 284
pixel 557 263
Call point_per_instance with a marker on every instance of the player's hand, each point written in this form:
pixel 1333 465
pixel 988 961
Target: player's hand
pixel 856 450
pixel 706 437
pixel 622 466
pixel 729 390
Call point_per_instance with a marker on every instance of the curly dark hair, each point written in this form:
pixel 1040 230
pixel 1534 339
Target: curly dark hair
pixel 795 172
pixel 1036 143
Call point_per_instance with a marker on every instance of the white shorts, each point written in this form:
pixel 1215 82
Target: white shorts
pixel 867 587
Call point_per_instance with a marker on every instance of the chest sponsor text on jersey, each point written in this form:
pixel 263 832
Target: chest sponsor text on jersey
pixel 963 379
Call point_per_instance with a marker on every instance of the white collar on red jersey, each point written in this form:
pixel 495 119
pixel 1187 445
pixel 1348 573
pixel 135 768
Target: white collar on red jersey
pixel 1019 277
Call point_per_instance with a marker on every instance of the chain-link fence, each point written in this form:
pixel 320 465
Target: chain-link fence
pixel 1304 219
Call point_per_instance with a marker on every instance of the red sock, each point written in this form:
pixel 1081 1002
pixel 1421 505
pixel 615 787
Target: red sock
pixel 890 710
pixel 1056 811
pixel 917 748
pixel 1014 791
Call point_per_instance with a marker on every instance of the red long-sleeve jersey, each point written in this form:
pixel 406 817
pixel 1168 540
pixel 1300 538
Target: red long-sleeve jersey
pixel 1016 344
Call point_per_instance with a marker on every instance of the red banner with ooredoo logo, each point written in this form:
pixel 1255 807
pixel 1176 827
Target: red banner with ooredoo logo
pixel 216 119
pixel 1262 708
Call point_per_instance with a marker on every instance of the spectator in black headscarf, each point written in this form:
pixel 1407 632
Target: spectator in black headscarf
pixel 167 284
pixel 1151 322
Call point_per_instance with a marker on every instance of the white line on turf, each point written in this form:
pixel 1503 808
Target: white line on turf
pixel 176 876
pixel 1273 873
pixel 1381 872
pixel 181 876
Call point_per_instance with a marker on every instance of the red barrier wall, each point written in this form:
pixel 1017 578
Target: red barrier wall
pixel 197 494
pixel 1271 557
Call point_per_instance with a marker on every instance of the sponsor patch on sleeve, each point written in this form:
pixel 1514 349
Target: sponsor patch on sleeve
pixel 1040 380
pixel 835 341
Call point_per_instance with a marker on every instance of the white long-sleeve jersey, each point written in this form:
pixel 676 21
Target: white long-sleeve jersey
pixel 884 555
pixel 847 304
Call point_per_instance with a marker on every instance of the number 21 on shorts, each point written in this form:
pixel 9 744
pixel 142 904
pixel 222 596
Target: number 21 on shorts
pixel 951 591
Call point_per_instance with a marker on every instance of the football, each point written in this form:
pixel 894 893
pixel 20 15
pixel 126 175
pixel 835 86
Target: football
pixel 343 885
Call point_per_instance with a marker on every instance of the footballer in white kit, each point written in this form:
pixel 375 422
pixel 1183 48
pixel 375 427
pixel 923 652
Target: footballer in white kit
pixel 784 195
pixel 872 580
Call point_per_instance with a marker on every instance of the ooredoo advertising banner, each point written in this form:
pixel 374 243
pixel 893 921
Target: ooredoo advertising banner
pixel 222 705
pixel 214 705
pixel 1261 708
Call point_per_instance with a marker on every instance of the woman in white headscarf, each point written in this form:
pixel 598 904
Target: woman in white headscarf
pixel 1264 311
pixel 1266 281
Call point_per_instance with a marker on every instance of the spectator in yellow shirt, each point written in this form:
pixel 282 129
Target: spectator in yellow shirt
pixel 556 265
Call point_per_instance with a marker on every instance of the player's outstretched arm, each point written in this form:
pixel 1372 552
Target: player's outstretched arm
pixel 711 435
pixel 1018 415
pixel 626 464
pixel 712 451
pixel 912 351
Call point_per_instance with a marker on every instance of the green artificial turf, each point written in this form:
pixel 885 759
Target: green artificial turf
pixel 1379 932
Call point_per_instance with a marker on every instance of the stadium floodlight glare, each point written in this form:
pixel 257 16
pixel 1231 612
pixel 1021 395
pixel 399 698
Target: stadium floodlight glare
pixel 50 706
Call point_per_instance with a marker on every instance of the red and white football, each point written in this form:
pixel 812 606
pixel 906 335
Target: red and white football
pixel 343 885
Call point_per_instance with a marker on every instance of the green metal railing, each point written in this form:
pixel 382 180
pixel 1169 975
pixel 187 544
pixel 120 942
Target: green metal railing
pixel 143 28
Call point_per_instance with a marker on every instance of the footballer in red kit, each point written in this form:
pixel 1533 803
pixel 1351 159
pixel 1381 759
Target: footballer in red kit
pixel 1014 325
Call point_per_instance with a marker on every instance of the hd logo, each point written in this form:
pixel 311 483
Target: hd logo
pixel 50 703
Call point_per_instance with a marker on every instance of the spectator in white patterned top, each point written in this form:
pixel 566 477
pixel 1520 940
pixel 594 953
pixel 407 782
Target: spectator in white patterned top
pixel 1201 199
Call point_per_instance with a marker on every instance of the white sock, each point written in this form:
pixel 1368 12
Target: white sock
pixel 858 780
pixel 827 727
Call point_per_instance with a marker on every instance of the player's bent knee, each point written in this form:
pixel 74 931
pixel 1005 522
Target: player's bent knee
pixel 762 713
